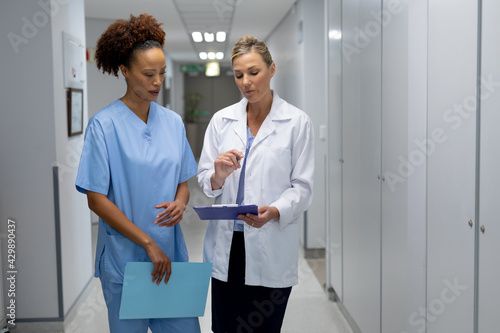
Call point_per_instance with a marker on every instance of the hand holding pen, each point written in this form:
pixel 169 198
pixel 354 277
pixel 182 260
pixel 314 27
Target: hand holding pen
pixel 224 165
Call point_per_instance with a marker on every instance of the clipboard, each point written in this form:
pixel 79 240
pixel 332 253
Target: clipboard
pixel 225 212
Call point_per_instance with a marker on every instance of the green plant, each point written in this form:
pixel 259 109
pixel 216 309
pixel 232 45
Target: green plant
pixel 192 103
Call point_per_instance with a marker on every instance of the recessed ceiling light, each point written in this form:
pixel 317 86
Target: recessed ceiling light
pixel 211 55
pixel 221 36
pixel 219 55
pixel 209 37
pixel 335 34
pixel 203 55
pixel 197 37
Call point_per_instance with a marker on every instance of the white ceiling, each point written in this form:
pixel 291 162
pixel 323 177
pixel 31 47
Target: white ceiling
pixel 180 17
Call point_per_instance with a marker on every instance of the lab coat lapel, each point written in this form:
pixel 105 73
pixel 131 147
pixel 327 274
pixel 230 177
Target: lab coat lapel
pixel 276 114
pixel 240 130
pixel 240 125
pixel 265 130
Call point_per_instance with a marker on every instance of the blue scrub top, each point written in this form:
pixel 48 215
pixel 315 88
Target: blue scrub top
pixel 137 166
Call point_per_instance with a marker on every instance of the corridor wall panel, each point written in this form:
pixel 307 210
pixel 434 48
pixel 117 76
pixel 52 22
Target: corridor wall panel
pixel 452 71
pixel 489 173
pixel 334 154
pixel 361 169
pixel 395 149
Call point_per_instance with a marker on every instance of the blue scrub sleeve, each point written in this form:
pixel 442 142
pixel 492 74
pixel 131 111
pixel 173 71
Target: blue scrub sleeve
pixel 188 167
pixel 93 172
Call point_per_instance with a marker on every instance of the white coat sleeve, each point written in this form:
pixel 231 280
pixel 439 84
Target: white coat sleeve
pixel 209 153
pixel 298 197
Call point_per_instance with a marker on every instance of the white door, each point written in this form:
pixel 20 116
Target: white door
pixel 334 207
pixel 361 170
pixel 452 72
pixel 489 205
pixel 395 182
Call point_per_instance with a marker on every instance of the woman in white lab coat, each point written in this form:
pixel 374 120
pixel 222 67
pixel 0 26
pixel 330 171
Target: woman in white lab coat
pixel 258 151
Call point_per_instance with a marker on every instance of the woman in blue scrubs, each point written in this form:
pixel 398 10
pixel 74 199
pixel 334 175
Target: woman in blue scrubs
pixel 134 170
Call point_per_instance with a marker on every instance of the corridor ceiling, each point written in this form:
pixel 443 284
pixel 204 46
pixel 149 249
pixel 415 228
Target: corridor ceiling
pixel 181 17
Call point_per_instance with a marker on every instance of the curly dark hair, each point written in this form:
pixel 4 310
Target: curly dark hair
pixel 119 43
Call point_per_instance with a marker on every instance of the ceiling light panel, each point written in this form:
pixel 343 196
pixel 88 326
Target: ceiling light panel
pixel 207 16
pixel 221 36
pixel 197 37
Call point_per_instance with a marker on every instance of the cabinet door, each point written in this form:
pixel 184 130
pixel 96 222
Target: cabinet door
pixel 361 140
pixel 451 150
pixel 489 207
pixel 334 188
pixel 394 243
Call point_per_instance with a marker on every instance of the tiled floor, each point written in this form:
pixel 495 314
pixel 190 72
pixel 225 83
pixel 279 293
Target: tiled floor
pixel 309 309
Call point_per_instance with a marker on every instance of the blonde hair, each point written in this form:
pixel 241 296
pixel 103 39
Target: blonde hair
pixel 248 44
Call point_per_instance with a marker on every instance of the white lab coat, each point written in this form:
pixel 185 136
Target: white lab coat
pixel 279 172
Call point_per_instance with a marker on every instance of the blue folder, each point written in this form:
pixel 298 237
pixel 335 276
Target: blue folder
pixel 225 212
pixel 185 294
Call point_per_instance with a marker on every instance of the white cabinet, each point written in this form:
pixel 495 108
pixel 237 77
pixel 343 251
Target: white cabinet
pixel 489 172
pixel 376 136
pixel 420 177
pixel 451 182
pixel 361 171
pixel 333 249
pixel 395 139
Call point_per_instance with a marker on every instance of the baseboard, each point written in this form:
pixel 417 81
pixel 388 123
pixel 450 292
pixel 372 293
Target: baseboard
pixel 347 316
pixel 38 327
pixel 314 253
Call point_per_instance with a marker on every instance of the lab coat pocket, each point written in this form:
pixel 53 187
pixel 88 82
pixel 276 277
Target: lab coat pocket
pixel 278 167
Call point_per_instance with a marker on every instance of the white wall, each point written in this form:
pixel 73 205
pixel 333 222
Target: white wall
pixel 288 56
pixel 27 137
pixel 76 239
pixel 33 139
pixel 297 47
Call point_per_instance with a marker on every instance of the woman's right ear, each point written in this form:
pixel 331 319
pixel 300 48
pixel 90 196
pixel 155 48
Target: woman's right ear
pixel 124 71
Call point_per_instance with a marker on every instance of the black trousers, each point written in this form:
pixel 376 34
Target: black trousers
pixel 238 308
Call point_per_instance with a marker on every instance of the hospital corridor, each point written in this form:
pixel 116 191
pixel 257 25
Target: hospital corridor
pixel 359 138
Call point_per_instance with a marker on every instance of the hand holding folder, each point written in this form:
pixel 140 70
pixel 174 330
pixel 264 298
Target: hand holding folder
pixel 184 295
